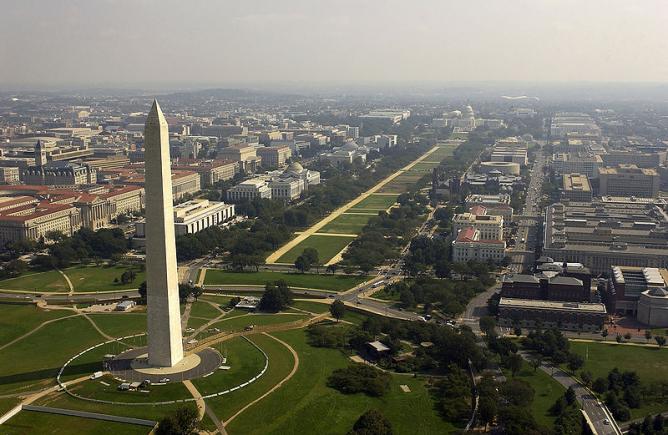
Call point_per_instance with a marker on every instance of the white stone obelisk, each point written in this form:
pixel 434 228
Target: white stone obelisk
pixel 165 346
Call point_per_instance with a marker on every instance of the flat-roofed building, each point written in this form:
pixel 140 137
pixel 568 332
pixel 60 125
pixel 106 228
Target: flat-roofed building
pixel 194 216
pixel 274 156
pixel 627 283
pixel 576 187
pixel 633 157
pixel 574 316
pixel 490 226
pixel 249 190
pixel 210 171
pixel 185 183
pixel 237 153
pixel 602 234
pixel 496 205
pixel 576 163
pixel 629 180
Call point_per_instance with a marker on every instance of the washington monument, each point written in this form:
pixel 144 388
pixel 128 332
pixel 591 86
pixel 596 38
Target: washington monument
pixel 165 347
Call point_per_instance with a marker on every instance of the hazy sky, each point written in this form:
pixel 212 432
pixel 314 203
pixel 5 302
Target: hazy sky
pixel 130 42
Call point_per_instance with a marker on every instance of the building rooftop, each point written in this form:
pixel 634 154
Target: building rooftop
pixel 576 182
pixel 552 305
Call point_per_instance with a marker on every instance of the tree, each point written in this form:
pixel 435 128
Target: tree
pixel 570 396
pixel 536 362
pixel 302 264
pixel 487 325
pixel 142 292
pixel 372 422
pixel 600 385
pixel 487 410
pixel 604 334
pixel 332 268
pixel 128 276
pixel 337 309
pixel 575 362
pixel 586 377
pixel 407 299
pixel 514 363
pixel 517 392
pixel 311 254
pixel 658 423
pixel 276 297
pixel 660 340
pixel 648 335
pixel 184 421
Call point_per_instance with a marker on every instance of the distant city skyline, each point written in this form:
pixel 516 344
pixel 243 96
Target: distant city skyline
pixel 124 42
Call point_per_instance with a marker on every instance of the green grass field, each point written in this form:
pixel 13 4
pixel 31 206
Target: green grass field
pixel 547 391
pixel 16 320
pixel 94 389
pixel 375 203
pixel 90 278
pixel 313 307
pixel 649 363
pixel 30 422
pixel 347 224
pixel 280 365
pixel 245 362
pixel 424 167
pixel 33 362
pixel 238 323
pixel 327 247
pixel 84 279
pixel 51 281
pixel 305 280
pixel 203 309
pixel 63 400
pixel 306 405
pixel 120 325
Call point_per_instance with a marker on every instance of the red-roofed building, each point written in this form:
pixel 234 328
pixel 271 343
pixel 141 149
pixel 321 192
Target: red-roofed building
pixel 32 221
pixel 469 246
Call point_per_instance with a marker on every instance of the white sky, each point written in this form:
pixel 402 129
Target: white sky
pixel 90 42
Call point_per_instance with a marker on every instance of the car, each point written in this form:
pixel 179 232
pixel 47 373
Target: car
pixel 165 380
pixel 606 421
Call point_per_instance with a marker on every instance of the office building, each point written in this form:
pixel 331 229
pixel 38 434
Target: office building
pixel 490 226
pixel 603 234
pixel 495 205
pixel 249 190
pixel 194 216
pixel 470 245
pixel 576 187
pixel 575 316
pixel 568 163
pixel 629 180
pixel 274 156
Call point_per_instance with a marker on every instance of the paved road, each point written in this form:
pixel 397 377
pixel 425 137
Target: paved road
pixel 594 409
pixel 477 308
pixel 527 238
pixel 353 297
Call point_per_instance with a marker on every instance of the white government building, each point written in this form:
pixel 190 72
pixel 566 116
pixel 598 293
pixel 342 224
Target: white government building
pixel 194 216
